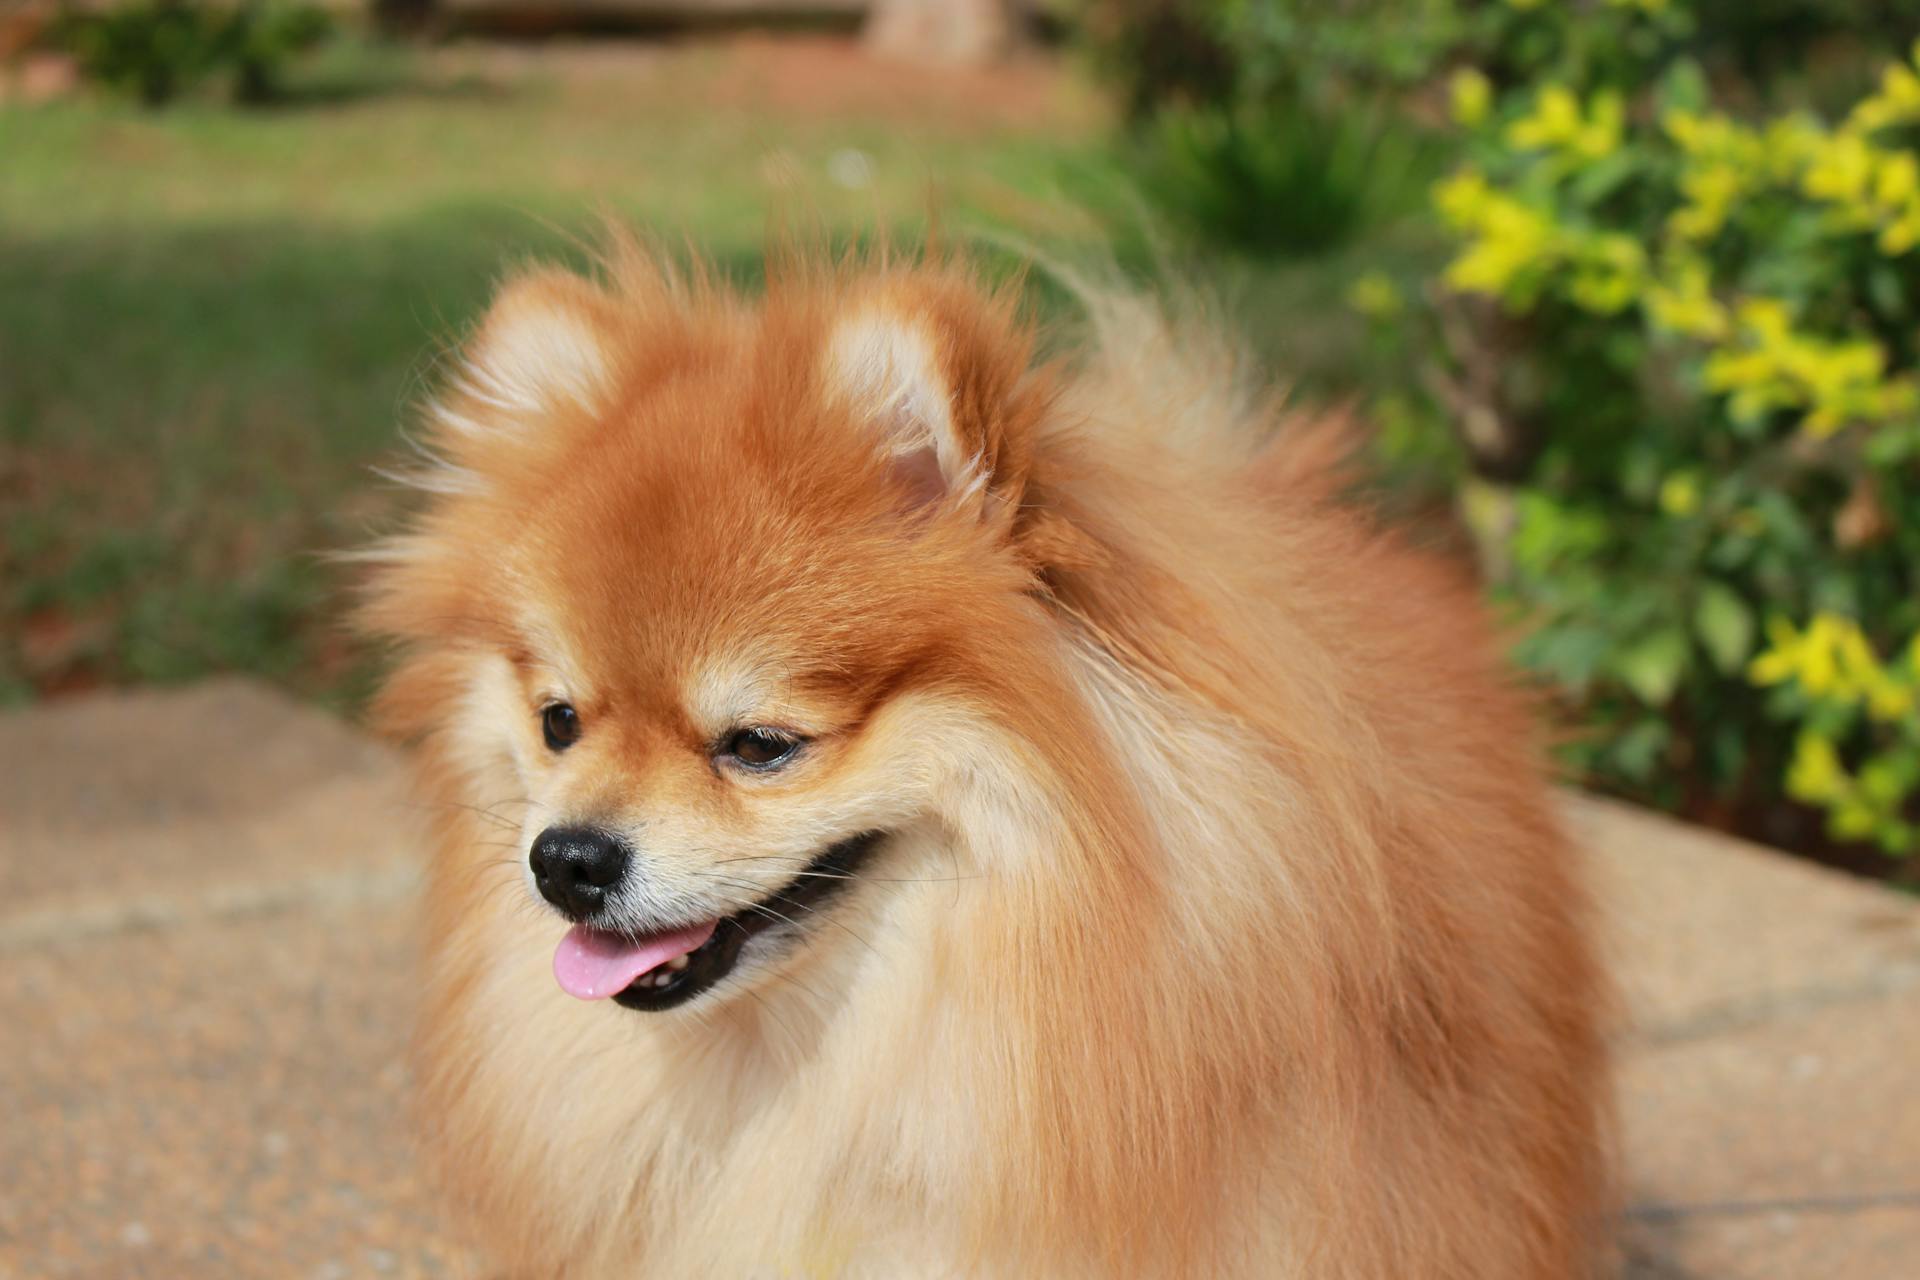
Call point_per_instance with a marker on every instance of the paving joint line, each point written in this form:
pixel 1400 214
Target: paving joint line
pixel 1862 1202
pixel 1737 1015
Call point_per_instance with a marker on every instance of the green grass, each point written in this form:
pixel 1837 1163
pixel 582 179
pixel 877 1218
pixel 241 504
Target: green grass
pixel 213 322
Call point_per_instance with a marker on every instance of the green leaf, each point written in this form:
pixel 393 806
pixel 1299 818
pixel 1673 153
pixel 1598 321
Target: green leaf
pixel 1636 752
pixel 1652 667
pixel 1890 445
pixel 1724 624
pixel 1568 652
pixel 1684 87
pixel 1603 177
pixel 1886 290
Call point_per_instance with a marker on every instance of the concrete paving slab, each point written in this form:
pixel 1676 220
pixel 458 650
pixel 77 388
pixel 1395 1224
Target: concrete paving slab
pixel 1773 1009
pixel 204 914
pixel 1816 1105
pixel 223 1099
pixel 1706 932
pixel 1779 1244
pixel 204 988
pixel 137 807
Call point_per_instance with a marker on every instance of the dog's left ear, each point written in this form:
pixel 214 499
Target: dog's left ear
pixel 888 369
pixel 939 387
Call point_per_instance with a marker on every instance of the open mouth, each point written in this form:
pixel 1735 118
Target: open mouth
pixel 657 971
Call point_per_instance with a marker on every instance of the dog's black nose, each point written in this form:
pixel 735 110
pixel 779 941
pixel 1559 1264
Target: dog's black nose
pixel 573 867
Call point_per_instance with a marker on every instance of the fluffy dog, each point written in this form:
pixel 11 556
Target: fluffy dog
pixel 903 810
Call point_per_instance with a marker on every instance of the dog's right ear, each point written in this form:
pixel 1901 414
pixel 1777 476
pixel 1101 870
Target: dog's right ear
pixel 543 344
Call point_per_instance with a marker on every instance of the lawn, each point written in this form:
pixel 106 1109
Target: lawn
pixel 213 322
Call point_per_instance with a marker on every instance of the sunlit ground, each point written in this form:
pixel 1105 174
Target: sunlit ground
pixel 212 322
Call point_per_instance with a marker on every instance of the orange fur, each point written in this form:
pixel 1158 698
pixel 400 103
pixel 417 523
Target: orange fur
pixel 1226 927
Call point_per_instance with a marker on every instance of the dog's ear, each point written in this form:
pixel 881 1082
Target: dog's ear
pixel 938 370
pixel 887 366
pixel 544 343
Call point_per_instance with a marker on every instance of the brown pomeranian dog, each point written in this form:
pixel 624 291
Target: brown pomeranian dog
pixel 905 811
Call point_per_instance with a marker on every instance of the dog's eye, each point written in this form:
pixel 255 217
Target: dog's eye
pixel 561 725
pixel 761 748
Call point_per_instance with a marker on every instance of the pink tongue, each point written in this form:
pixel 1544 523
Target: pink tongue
pixel 593 964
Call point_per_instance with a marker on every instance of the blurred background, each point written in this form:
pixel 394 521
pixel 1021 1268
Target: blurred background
pixel 1627 293
pixel 1626 290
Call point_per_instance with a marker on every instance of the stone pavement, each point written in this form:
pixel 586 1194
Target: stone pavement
pixel 203 997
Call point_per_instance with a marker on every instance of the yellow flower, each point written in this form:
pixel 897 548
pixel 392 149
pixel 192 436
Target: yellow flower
pixel 1807 657
pixel 1832 659
pixel 1791 142
pixel 1471 96
pixel 1554 121
pixel 1897 180
pixel 1684 302
pixel 1710 191
pixel 1601 136
pixel 1603 293
pixel 1816 774
pixel 1897 102
pixel 1509 238
pixel 1823 423
pixel 1867 187
pixel 1680 494
pixel 1896 201
pixel 1888 700
pixel 1843 380
pixel 1374 295
pixel 1694 316
pixel 1487 266
pixel 1684 127
pixel 1854 659
pixel 1770 367
pixel 1897 397
pixel 1897 238
pixel 1738 370
pixel 1840 171
pixel 1558 122
pixel 1715 137
pixel 1819 672
pixel 1769 318
pixel 1460 197
pixel 1611 268
pixel 1781 661
pixel 1881 782
pixel 1851 820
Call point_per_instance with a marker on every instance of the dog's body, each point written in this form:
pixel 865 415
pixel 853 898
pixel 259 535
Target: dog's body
pixel 1192 902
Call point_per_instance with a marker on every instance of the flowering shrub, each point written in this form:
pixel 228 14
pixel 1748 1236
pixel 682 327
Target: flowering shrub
pixel 1686 341
pixel 1839 690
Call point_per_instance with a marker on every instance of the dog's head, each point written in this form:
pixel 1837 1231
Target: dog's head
pixel 719 598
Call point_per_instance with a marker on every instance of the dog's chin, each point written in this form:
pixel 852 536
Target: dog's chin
pixel 749 937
